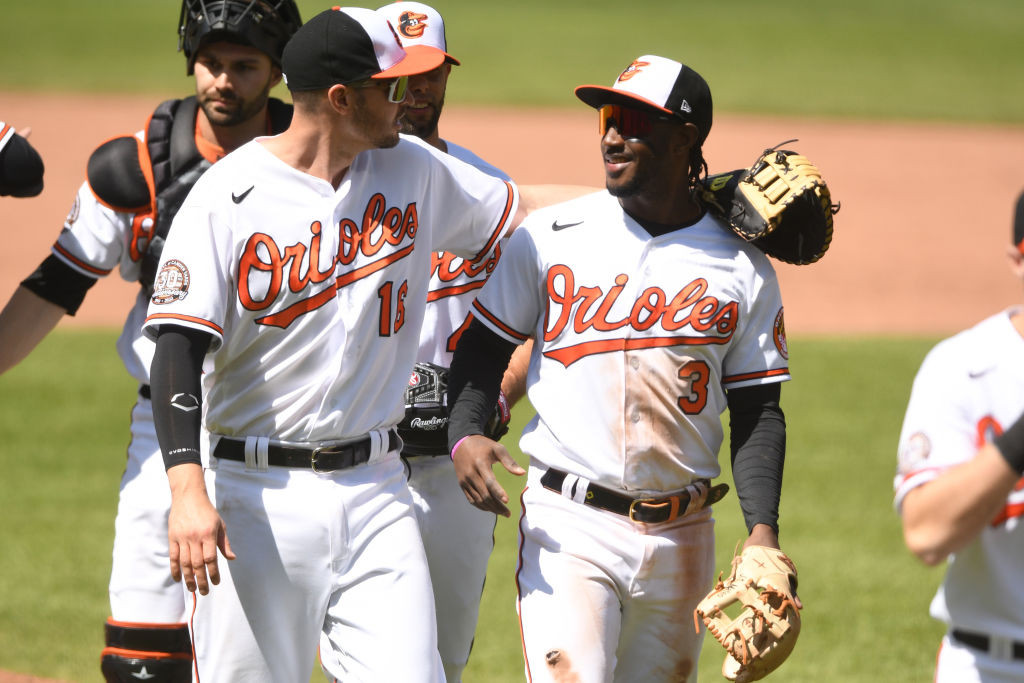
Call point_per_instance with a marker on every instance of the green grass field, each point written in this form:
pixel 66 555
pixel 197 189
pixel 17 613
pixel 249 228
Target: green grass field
pixel 64 412
pixel 63 426
pixel 914 59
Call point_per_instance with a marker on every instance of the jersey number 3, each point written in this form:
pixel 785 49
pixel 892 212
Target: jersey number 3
pixel 696 374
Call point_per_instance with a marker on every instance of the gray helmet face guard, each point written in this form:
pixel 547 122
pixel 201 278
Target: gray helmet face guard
pixel 263 24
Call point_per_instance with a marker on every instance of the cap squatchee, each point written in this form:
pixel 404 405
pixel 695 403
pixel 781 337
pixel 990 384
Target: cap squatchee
pixel 659 83
pixel 420 28
pixel 349 44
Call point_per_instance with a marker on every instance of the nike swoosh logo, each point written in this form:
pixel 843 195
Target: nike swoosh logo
pixel 555 225
pixel 975 374
pixel 237 198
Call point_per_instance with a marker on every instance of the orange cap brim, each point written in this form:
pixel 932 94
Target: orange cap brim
pixel 416 61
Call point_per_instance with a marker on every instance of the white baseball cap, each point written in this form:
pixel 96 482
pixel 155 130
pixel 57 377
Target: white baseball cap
pixel 345 45
pixel 419 27
pixel 660 83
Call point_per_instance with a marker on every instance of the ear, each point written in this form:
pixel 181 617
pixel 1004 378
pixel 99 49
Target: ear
pixel 275 76
pixel 341 98
pixel 1016 258
pixel 685 138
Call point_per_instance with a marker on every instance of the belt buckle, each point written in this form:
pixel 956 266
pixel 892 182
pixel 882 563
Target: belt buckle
pixel 314 459
pixel 632 507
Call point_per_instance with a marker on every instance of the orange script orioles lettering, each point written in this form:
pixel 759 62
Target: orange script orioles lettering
pixel 692 307
pixel 448 267
pixel 380 226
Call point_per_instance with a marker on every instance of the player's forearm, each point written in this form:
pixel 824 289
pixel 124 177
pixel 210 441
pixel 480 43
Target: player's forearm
pixel 24 322
pixel 478 364
pixel 945 514
pixel 513 384
pixel 176 389
pixel 758 442
pixel 186 478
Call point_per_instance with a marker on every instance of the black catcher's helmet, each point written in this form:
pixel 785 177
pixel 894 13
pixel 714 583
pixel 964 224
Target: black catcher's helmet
pixel 263 24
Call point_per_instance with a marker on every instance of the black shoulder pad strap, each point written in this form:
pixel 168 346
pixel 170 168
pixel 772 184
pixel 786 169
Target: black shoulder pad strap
pixel 280 115
pixel 158 141
pixel 116 177
pixel 183 152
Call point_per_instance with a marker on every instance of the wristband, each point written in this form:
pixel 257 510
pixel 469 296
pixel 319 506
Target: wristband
pixel 456 446
pixel 1011 445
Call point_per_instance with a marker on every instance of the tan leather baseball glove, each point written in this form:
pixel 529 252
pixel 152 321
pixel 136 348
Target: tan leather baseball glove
pixel 762 588
pixel 781 204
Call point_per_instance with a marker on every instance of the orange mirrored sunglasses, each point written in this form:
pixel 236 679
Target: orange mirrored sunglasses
pixel 630 122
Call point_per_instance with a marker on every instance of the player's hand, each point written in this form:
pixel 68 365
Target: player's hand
pixel 473 461
pixel 195 531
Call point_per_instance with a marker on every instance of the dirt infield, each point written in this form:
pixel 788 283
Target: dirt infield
pixel 926 208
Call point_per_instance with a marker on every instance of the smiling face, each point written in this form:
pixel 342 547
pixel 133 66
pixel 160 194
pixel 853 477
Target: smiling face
pixel 424 103
pixel 637 164
pixel 233 82
pixel 649 173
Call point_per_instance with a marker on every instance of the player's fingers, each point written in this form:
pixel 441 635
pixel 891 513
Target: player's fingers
pixel 198 564
pixel 25 132
pixel 185 562
pixel 474 489
pixel 172 553
pixel 210 563
pixel 508 462
pixel 497 498
pixel 224 544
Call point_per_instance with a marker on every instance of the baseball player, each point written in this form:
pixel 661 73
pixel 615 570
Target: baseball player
pixel 292 271
pixel 458 539
pixel 119 219
pixel 960 493
pixel 650 318
pixel 21 167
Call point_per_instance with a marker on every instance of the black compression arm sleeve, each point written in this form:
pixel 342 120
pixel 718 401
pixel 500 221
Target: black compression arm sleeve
pixel 59 283
pixel 757 429
pixel 480 360
pixel 176 386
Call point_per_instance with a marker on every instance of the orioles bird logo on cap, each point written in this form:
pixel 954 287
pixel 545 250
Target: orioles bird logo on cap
pixel 632 70
pixel 412 24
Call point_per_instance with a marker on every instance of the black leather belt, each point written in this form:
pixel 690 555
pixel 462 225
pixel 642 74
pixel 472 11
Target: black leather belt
pixel 324 459
pixel 979 641
pixel 647 510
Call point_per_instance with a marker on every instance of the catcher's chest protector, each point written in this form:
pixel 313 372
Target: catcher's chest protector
pixel 177 165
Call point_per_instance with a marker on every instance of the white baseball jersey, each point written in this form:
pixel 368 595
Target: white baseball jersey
pixel 454 282
pixel 95 241
pixel 458 538
pixel 279 266
pixel 967 390
pixel 6 133
pixel 637 337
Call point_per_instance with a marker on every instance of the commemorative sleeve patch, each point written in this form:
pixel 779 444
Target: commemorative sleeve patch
pixel 171 283
pixel 779 333
pixel 914 453
pixel 73 212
